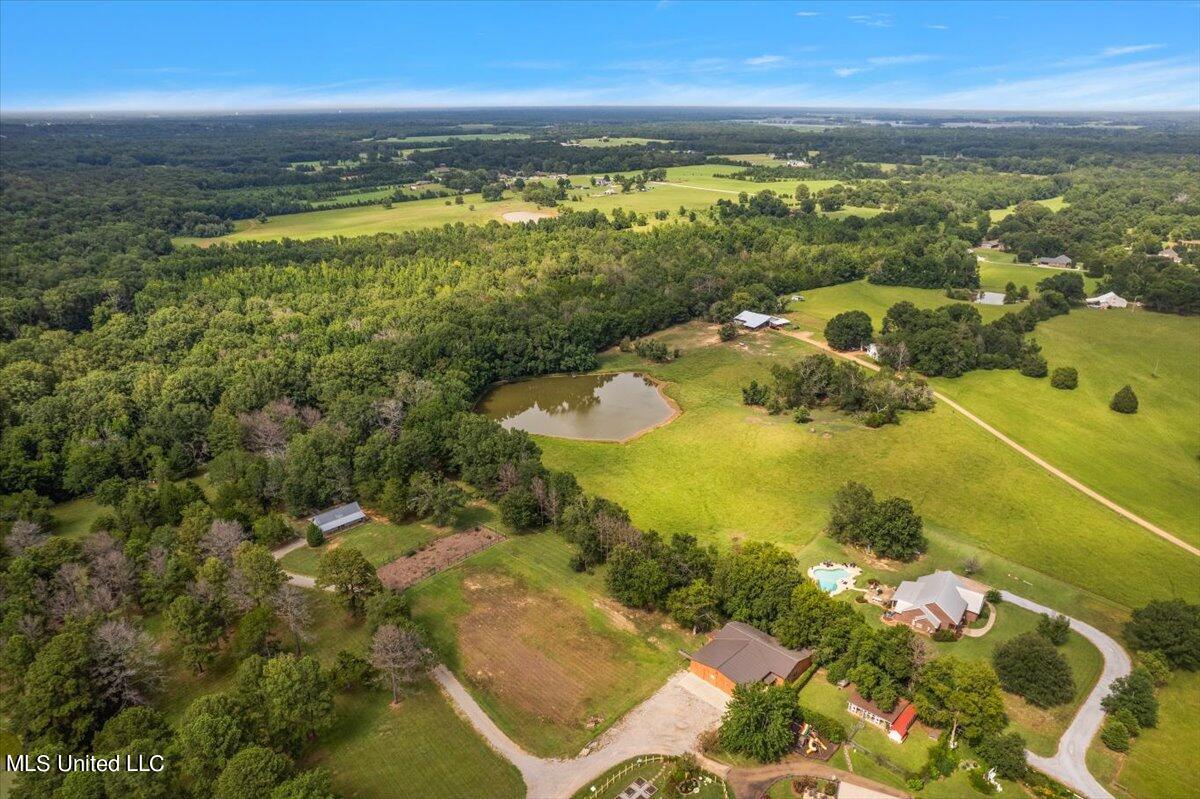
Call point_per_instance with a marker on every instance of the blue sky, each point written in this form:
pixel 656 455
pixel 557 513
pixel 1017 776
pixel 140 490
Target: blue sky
pixel 180 56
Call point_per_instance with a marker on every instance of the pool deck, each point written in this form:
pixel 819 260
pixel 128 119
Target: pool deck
pixel 844 584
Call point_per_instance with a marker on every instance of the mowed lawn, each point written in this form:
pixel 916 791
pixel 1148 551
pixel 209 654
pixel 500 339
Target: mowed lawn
pixel 382 542
pixel 1053 203
pixel 1146 462
pixel 725 472
pixel 1164 761
pixel 421 747
pixel 542 648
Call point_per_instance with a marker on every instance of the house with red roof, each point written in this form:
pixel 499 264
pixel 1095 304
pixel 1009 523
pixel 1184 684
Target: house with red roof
pixel 895 722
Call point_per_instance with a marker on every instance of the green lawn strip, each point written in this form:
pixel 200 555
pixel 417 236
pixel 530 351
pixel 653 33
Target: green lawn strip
pixel 380 542
pixel 419 748
pixel 1162 761
pixel 725 472
pixel 540 564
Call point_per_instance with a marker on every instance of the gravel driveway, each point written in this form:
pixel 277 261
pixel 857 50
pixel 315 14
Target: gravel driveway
pixel 667 723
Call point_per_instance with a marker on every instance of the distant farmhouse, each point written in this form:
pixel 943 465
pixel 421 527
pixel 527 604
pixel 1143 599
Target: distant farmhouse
pixel 938 601
pixel 740 655
pixel 1060 261
pixel 752 320
pixel 338 518
pixel 989 297
pixel 895 722
pixel 1109 299
pixel 991 244
pixel 1170 254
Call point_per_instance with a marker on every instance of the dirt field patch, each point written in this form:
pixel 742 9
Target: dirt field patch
pixel 535 651
pixel 442 553
pixel 527 216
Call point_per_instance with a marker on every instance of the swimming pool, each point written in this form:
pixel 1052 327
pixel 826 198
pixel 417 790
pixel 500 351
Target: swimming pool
pixel 828 579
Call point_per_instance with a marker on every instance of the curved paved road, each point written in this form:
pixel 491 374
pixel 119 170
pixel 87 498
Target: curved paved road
pixel 807 337
pixel 1069 764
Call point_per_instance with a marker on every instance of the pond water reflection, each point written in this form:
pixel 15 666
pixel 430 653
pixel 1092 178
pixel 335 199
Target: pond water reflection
pixel 604 407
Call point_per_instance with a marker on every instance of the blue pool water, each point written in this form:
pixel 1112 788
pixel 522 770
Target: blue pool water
pixel 828 578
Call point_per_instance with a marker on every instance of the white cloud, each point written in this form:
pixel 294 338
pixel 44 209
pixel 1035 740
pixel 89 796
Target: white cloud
pixel 897 60
pixel 808 13
pixel 845 72
pixel 766 61
pixel 1109 52
pixel 872 20
pixel 938 27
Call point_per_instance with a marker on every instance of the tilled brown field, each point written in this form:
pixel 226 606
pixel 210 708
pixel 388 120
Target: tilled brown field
pixel 442 553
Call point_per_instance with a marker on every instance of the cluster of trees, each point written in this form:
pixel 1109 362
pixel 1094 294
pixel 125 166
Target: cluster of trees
pixel 532 156
pixel 888 528
pixel 820 380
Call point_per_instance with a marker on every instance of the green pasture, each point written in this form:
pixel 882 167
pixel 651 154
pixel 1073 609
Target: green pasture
pixel 642 647
pixel 1053 203
pixel 616 141
pixel 725 472
pixel 1146 462
pixel 380 542
pixel 74 517
pixel 420 747
pixel 1163 761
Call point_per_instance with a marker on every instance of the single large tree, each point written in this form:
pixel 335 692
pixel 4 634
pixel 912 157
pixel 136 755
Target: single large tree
pixel 849 330
pixel 297 698
pixel 348 572
pixel 961 695
pixel 1169 626
pixel 1030 666
pixel 400 655
pixel 758 721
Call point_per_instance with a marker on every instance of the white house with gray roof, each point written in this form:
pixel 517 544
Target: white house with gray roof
pixel 752 320
pixel 337 518
pixel 938 601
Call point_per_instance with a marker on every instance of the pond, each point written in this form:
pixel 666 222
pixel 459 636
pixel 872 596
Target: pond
pixel 601 407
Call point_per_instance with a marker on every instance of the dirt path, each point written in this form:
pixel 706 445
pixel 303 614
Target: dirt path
pixel 1069 764
pixel 808 338
pixel 302 580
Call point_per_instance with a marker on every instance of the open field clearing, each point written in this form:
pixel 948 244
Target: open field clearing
pixel 739 474
pixel 380 542
pixel 996 269
pixel 540 647
pixel 616 141
pixel 1053 203
pixel 1146 461
pixel 697 190
pixel 1165 760
pixel 75 517
pixel 421 745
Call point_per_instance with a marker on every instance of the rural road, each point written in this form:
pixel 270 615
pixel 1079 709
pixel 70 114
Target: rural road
pixel 1069 764
pixel 807 337
pixel 669 722
pixel 700 188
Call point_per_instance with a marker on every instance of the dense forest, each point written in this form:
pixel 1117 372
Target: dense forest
pixel 298 374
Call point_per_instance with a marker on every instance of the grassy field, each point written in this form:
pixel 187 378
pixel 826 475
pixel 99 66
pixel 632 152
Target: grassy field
pixel 74 517
pixel 1164 761
pixel 616 141
pixel 725 472
pixel 540 647
pixel 695 189
pixel 421 745
pixel 1053 203
pixel 383 542
pixel 1147 461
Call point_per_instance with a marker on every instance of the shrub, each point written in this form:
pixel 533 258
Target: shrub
pixel 1115 736
pixel 980 782
pixel 971 566
pixel 728 331
pixel 314 536
pixel 1005 753
pixel 993 595
pixel 755 394
pixel 849 330
pixel 1065 378
pixel 802 415
pixel 1125 716
pixel 1135 692
pixel 1156 663
pixel 944 635
pixel 1124 401
pixel 1030 666
pixel 1034 365
pixel 1056 629
pixel 827 727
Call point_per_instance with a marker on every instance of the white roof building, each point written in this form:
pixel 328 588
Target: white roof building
pixel 339 517
pixel 1109 299
pixel 990 298
pixel 940 600
pixel 755 321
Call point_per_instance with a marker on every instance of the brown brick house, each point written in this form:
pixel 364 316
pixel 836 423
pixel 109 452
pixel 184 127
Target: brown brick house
pixel 739 654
